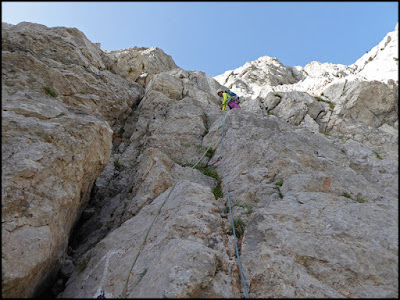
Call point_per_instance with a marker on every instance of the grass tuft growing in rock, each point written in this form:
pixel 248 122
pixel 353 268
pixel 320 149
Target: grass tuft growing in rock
pixel 278 186
pixel 331 104
pixel 210 172
pixel 210 152
pixel 118 165
pixel 217 191
pixel 239 227
pixel 143 273
pixel 347 195
pixel 378 155
pixel 49 91
pixel 325 133
pixel 359 198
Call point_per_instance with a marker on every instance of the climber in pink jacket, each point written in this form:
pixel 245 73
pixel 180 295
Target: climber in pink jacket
pixel 227 99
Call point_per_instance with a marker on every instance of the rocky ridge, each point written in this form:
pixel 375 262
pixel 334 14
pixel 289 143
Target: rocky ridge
pixel 93 141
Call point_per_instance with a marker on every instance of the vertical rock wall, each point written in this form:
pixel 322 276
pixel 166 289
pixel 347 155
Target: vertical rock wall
pixel 312 178
pixel 59 105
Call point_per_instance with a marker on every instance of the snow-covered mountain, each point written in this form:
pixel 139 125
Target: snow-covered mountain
pixel 257 78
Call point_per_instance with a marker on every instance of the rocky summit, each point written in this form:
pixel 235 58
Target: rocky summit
pixel 121 176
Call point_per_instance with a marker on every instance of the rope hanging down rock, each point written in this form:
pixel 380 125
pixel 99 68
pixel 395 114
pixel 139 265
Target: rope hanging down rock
pixel 155 218
pixel 165 200
pixel 230 212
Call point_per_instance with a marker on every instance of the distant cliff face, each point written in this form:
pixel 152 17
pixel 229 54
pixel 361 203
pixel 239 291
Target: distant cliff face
pixel 93 142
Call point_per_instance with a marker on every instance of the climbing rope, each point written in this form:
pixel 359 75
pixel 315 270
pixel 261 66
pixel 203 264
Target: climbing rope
pixel 230 212
pixel 165 200
pixel 156 216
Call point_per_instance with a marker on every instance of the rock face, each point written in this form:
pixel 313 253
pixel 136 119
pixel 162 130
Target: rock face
pixel 310 163
pixel 140 64
pixel 59 105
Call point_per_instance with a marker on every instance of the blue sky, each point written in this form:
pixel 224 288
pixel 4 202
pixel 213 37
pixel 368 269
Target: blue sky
pixel 214 37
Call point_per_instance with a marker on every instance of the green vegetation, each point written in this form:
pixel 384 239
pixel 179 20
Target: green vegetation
pixel 378 155
pixel 82 265
pixel 206 131
pixel 118 165
pixel 143 273
pixel 210 152
pixel 239 227
pixel 217 191
pixel 211 172
pixel 347 195
pixel 359 198
pixel 331 104
pixel 370 59
pixel 49 91
pixel 279 183
pixel 395 59
pixel 277 95
pixel 208 171
pixel 325 133
pixel 278 186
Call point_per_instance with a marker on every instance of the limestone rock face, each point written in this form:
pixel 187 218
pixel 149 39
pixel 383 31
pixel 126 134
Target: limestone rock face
pixel 381 62
pixel 159 139
pixel 183 254
pixel 140 64
pixel 310 163
pixel 65 62
pixel 371 103
pixel 48 166
pixel 59 104
pixel 310 231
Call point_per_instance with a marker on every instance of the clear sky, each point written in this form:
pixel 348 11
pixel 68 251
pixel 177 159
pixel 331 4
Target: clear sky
pixel 214 37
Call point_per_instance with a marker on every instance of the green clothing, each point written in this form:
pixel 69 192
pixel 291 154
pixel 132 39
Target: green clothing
pixel 225 99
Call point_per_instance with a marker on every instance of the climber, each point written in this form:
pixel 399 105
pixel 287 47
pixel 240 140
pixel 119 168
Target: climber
pixel 227 99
